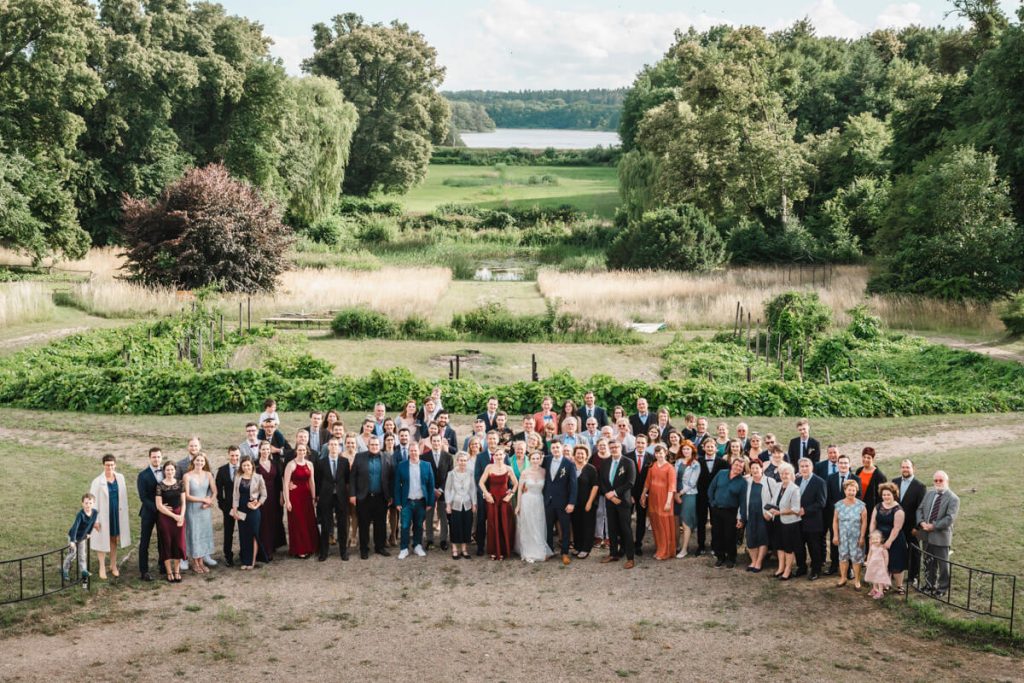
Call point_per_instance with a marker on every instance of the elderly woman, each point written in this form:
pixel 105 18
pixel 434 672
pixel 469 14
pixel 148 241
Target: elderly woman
pixel 849 526
pixel 888 518
pixel 111 494
pixel 460 502
pixel 782 509
pixel 754 449
pixel 752 513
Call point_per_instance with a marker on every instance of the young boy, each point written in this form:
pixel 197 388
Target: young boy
pixel 270 412
pixel 85 521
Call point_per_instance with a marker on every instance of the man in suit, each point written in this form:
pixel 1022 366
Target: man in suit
pixel 337 432
pixel 643 462
pixel 447 433
pixel 742 436
pixel 615 482
pixel 591 435
pixel 833 494
pixel 911 495
pixel 935 518
pixel 483 459
pixel 441 463
pixel 569 438
pixel 804 446
pixel 559 495
pixel 145 484
pixel 812 504
pixel 194 448
pixel 414 497
pixel 702 433
pixel 529 427
pixel 829 466
pixel 278 444
pixel 318 436
pixel 225 480
pixel 710 465
pixel 250 448
pixel 405 439
pixel 490 416
pixel 379 413
pixel 372 477
pixel 479 432
pixel 591 409
pixel 333 480
pixel 643 419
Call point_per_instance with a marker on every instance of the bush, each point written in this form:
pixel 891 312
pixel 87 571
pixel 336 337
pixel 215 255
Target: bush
pixel 350 205
pixel 206 229
pixel 797 316
pixel 328 230
pixel 360 323
pixel 863 325
pixel 1012 314
pixel 374 230
pixel 675 238
pixel 750 242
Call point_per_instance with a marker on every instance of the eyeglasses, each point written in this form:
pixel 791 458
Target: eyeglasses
pixel 940 481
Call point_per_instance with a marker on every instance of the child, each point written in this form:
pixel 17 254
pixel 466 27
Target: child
pixel 270 412
pixel 877 567
pixel 85 521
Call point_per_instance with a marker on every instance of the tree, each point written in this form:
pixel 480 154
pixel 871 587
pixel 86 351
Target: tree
pixel 390 73
pixel 206 229
pixel 675 238
pixel 948 231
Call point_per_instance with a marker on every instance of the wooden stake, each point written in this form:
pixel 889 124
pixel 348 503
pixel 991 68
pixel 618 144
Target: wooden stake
pixel 748 373
pixel 828 377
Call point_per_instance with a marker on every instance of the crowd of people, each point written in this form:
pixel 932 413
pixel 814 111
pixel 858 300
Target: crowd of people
pixel 565 484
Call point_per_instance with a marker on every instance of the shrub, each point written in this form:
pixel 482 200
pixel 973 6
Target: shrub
pixel 359 206
pixel 206 228
pixel 797 316
pixel 675 238
pixel 863 325
pixel 1012 314
pixel 359 323
pixel 376 230
pixel 328 230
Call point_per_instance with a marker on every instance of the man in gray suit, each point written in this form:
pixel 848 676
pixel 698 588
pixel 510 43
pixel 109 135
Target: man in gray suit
pixel 935 519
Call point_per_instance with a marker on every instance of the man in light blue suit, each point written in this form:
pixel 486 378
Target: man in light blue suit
pixel 414 497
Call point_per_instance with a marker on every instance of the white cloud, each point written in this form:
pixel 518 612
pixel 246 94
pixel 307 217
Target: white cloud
pixel 292 50
pixel 829 20
pixel 900 16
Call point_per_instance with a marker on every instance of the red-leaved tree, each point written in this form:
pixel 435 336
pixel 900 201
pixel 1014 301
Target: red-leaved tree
pixel 205 228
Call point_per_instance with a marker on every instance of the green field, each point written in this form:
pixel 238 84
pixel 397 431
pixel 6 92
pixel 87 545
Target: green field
pixel 591 189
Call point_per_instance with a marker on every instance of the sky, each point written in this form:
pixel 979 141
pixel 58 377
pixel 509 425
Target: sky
pixel 550 44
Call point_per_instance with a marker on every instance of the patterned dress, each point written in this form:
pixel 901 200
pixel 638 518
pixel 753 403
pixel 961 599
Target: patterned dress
pixel 198 522
pixel 849 531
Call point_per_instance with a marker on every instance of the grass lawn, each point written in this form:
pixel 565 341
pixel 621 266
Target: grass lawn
pixel 590 189
pixel 465 295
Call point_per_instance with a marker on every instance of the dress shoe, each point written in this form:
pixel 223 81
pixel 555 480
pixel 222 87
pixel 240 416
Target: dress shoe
pixel 830 571
pixel 813 576
pixel 719 563
pixel 639 551
pixel 610 558
pixel 229 561
pixel 479 552
pixel 565 560
pixel 800 571
pixel 730 565
pixel 698 552
pixel 344 556
pixel 383 551
pixel 444 545
pixel 145 577
pixel 363 555
pixel 321 558
pixel 629 564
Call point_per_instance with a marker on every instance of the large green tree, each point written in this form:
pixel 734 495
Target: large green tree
pixel 390 73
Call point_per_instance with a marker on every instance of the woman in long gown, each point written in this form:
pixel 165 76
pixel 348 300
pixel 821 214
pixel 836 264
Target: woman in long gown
pixel 585 511
pixel 498 483
pixel 170 525
pixel 531 534
pixel 200 492
pixel 271 533
pixel 303 539
pixel 658 496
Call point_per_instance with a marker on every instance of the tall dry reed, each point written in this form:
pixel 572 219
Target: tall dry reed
pixel 25 302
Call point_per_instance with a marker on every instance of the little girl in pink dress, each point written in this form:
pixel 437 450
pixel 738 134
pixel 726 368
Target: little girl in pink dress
pixel 876 570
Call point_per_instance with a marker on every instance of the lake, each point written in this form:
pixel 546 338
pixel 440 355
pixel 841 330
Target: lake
pixel 541 138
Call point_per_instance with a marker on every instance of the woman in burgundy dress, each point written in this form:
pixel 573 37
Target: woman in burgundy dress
pixel 498 482
pixel 170 524
pixel 303 539
pixel 272 520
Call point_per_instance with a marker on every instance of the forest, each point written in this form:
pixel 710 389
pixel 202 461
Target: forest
pixel 596 109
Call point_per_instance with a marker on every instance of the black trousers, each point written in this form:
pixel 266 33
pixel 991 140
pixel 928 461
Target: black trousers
pixel 583 524
pixel 145 537
pixel 481 525
pixel 556 514
pixel 703 511
pixel 641 523
pixel 372 510
pixel 723 533
pixel 229 535
pixel 914 561
pixel 620 532
pixel 812 542
pixel 332 513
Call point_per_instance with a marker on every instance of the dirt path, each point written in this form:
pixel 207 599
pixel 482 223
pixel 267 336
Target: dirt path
pixel 909 446
pixel 987 348
pixel 444 620
pixel 39 338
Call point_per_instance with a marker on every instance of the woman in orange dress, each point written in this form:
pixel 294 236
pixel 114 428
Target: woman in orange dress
pixel 658 496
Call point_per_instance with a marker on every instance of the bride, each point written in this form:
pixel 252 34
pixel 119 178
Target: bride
pixel 531 535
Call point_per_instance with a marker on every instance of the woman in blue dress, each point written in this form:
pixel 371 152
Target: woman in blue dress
pixel 889 518
pixel 200 495
pixel 848 529
pixel 752 513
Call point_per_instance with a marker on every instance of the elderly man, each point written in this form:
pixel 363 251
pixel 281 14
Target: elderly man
pixel 935 520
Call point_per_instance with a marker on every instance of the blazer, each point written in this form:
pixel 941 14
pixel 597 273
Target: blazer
pixel 813 502
pixel 707 473
pixel 488 422
pixel 325 436
pixel 326 485
pixel 769 487
pixel 641 472
pixel 949 507
pixel 821 468
pixel 360 481
pixel 789 500
pixel 870 497
pixel 910 502
pixel 441 464
pixel 257 490
pixel 625 479
pixel 402 473
pixel 247 451
pixel 562 490
pixel 813 450
pixel 225 484
pixel 640 427
pixel 600 414
pixel 453 441
pixel 145 484
pixel 459 490
pixel 834 488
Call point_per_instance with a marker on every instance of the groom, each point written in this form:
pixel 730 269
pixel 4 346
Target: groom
pixel 559 496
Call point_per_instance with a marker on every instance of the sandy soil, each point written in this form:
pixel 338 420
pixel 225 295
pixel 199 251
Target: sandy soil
pixel 40 338
pixel 987 348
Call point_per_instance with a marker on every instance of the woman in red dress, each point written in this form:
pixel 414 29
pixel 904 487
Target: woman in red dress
pixel 303 539
pixel 498 483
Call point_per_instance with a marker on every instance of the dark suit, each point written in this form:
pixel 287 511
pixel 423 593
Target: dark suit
pixel 332 493
pixel 558 493
pixel 812 526
pixel 324 437
pixel 813 451
pixel 225 495
pixel 453 441
pixel 640 426
pixel 822 468
pixel 371 508
pixel 619 533
pixel 483 459
pixel 440 465
pixel 599 414
pixel 489 423
pixel 703 507
pixel 145 484
pixel 834 494
pixel 910 502
pixel 638 489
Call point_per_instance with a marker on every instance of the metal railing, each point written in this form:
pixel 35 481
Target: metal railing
pixel 978 591
pixel 35 576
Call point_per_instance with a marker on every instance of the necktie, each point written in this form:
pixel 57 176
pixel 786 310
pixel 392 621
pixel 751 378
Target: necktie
pixel 334 469
pixel 614 469
pixel 405 453
pixel 803 449
pixel 935 509
pixel 232 474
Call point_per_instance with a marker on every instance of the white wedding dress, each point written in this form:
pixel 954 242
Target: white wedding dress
pixel 531 534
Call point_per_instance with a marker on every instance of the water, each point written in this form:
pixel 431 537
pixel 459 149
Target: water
pixel 541 138
pixel 486 274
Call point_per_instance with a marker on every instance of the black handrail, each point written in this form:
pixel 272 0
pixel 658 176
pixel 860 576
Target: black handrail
pixel 8 597
pixel 994 610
